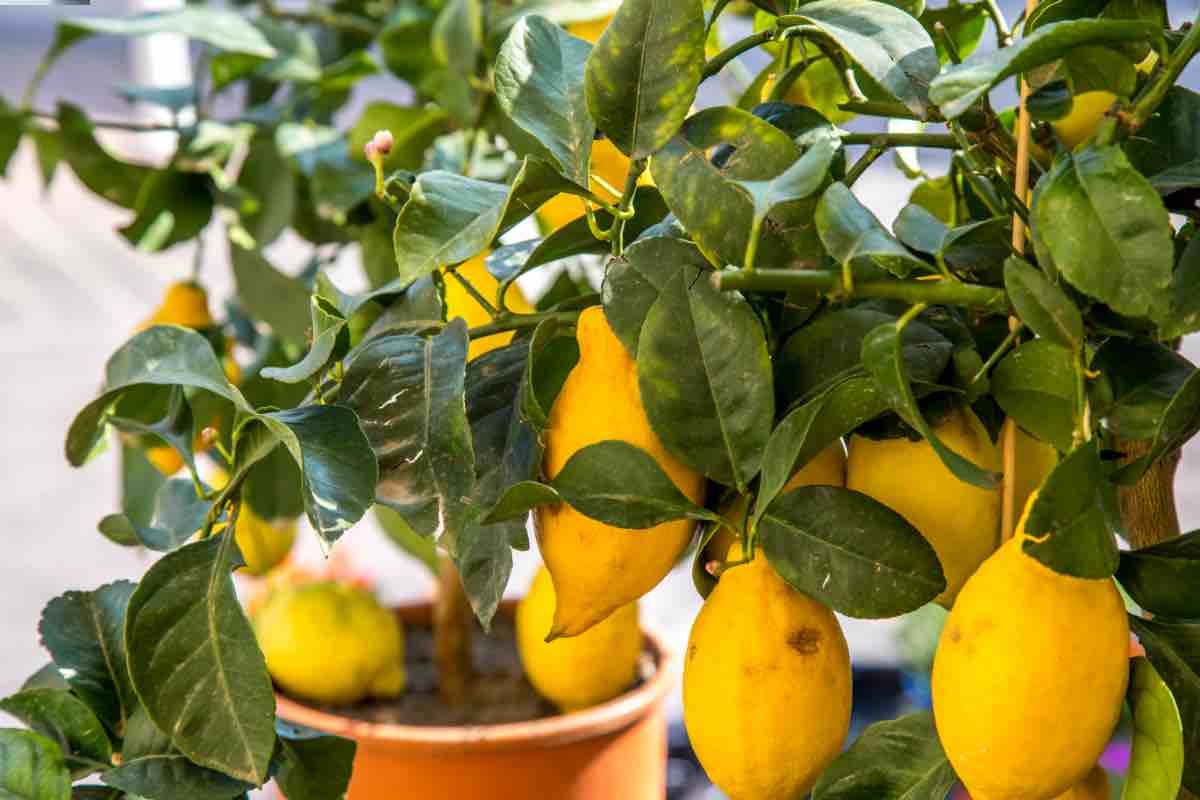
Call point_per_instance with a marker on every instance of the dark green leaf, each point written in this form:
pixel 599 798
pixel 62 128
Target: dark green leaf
pixel 48 677
pixel 623 486
pixel 1076 513
pixel 171 207
pixel 852 234
pixel 705 378
pixel 576 238
pixel 1184 316
pixel 1035 385
pixel 643 73
pixel 1044 307
pixel 1174 650
pixel 330 341
pixel 553 353
pixel 1143 377
pixel 196 665
pixel 964 23
pixel 458 35
pixel 1179 422
pixel 83 633
pixel 31 767
pixel 899 759
pixel 539 84
pixel 633 281
pixel 179 513
pixel 1161 578
pixel 780 456
pixel 270 296
pixel 803 179
pixel 1126 259
pixel 1156 763
pixel 66 720
pixel 1169 139
pixel 850 552
pixel 266 175
pixel 521 498
pixel 315 768
pixel 959 86
pixel 882 354
pixel 114 180
pixel 140 482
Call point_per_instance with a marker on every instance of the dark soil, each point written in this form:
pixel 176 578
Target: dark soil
pixel 499 692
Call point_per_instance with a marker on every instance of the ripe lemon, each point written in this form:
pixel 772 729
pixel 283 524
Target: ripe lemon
pixel 580 671
pixel 1089 108
pixel 1094 787
pixel 597 568
pixel 766 685
pixel 331 643
pixel 1019 647
pixel 960 521
pixel 1034 461
pixel 264 543
pixel 185 303
pixel 828 468
pixel 459 303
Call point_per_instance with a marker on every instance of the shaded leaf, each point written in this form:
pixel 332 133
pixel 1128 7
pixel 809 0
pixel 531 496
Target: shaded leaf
pixel 1143 376
pixel 1035 385
pixel 1160 578
pixel 633 281
pixel 66 720
pixel 1179 422
pixel 521 498
pixel 852 234
pixel 315 768
pixel 1044 307
pixel 31 767
pixel 898 759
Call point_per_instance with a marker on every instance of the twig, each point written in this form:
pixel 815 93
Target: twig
pixel 1152 95
pixel 718 62
pixel 937 292
pixel 1003 32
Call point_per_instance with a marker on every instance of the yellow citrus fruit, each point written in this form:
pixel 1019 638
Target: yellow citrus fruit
pixel 1019 647
pixel 264 543
pixel 1094 787
pixel 1034 461
pixel 581 671
pixel 459 303
pixel 611 165
pixel 597 568
pixel 960 521
pixel 819 87
pixel 185 303
pixel 166 459
pixel 766 685
pixel 589 30
pixel 1087 109
pixel 331 643
pixel 828 468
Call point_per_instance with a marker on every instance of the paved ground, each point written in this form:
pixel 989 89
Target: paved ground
pixel 70 290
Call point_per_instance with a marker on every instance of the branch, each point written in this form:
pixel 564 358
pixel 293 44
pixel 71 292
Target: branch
pixel 516 322
pixel 718 62
pixel 943 291
pixel 118 124
pixel 1152 95
pixel 942 141
pixel 1003 32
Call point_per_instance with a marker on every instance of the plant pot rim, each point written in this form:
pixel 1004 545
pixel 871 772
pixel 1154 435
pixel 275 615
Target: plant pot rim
pixel 560 729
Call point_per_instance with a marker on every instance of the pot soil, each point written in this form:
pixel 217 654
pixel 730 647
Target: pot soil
pixel 506 743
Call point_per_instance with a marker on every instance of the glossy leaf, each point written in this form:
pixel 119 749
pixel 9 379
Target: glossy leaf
pixel 1035 385
pixel 1174 650
pixel 83 633
pixel 103 174
pixel 276 299
pixel 800 180
pixel 780 458
pixel 1184 315
pixel 553 353
pixel 1156 762
pixel 1179 422
pixel 850 552
pixel 634 280
pixel 1160 578
pixel 1142 376
pixel 852 234
pixel 314 767
pixel 171 207
pixel 959 86
pixel 196 665
pixel 1044 307
pixel 705 378
pixel 63 718
pixel 330 341
pixel 521 498
pixel 882 354
pixel 1076 513
pixel 539 84
pixel 623 486
pixel 898 759
pixel 643 73
pixel 31 767
pixel 1126 260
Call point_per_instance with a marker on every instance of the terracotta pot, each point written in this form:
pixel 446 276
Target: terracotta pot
pixel 614 750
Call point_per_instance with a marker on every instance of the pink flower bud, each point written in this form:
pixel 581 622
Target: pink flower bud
pixel 383 142
pixel 369 151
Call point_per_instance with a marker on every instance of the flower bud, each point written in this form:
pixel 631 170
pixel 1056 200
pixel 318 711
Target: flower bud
pixel 383 142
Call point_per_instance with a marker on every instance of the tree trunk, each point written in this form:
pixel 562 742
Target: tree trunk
pixel 453 623
pixel 1148 508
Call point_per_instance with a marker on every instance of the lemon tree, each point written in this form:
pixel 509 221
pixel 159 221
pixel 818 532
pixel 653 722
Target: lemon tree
pixel 835 412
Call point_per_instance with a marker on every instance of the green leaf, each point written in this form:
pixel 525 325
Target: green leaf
pixel 83 633
pixel 314 767
pixel 330 341
pixel 397 529
pixel 1126 259
pixel 406 41
pixel 970 248
pixel 66 720
pixel 780 458
pixel 31 768
pixel 140 482
pixel 1044 307
pixel 172 207
pixel 223 29
pixel 1156 763
pixel 1174 650
pixel 521 498
pixel 270 296
pixel 1179 422
pixel 1143 376
pixel 705 378
pixel 1076 511
pixel 959 86
pixel 850 552
pixel 623 486
pixel 1160 578
pixel 853 235
pixel 104 175
pixel 1035 385
pixel 885 43
pixel 575 238
pixel 539 75
pixel 179 513
pixel 882 354
pixel 458 35
pixel 1168 140
pixel 634 280
pixel 408 392
pixel 643 73
pixel 553 353
pixel 802 179
pixel 898 759
pixel 266 175
pixel 964 23
pixel 187 639
pixel 1184 316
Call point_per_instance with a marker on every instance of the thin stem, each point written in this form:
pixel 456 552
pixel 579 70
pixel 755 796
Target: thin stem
pixel 876 108
pixel 118 125
pixel 475 294
pixel 940 292
pixel 625 207
pixel 515 322
pixel 718 9
pixel 1152 95
pixel 718 62
pixel 1003 32
pixel 868 158
pixel 941 141
pixel 910 315
pixel 947 42
pixel 752 243
pixel 998 353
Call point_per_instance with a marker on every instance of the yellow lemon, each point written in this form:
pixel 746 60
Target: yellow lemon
pixel 1034 461
pixel 828 468
pixel 1019 646
pixel 611 166
pixel 1087 109
pixel 331 643
pixel 581 671
pixel 264 543
pixel 459 303
pixel 590 30
pixel 960 521
pixel 1094 787
pixel 166 459
pixel 185 303
pixel 597 568
pixel 766 685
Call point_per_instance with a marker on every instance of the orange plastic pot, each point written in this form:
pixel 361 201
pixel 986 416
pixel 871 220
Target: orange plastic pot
pixel 610 751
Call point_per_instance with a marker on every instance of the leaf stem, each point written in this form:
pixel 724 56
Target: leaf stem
pixel 745 44
pixel 948 292
pixel 878 147
pixel 1003 32
pixel 1152 95
pixel 718 9
pixel 948 42
pixel 476 295
pixel 998 353
pixel 515 322
pixel 752 243
pixel 624 210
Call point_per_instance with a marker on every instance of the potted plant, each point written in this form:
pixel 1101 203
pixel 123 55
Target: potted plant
pixel 969 405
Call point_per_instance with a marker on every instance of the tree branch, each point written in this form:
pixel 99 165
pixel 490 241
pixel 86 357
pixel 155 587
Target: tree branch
pixel 941 291
pixel 1152 95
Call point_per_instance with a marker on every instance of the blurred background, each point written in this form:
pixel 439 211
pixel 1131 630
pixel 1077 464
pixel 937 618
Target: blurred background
pixel 71 291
